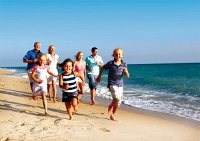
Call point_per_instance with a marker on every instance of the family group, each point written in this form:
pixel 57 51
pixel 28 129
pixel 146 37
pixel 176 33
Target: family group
pixel 42 72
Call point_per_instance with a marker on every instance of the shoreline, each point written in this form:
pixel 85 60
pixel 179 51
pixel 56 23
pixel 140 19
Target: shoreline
pixel 22 119
pixel 165 116
pixel 185 113
pixel 105 102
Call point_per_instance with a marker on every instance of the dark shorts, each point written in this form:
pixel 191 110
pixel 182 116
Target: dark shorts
pixel 92 81
pixel 67 97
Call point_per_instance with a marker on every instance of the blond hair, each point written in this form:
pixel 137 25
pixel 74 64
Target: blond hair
pixel 42 55
pixel 77 54
pixel 50 47
pixel 115 50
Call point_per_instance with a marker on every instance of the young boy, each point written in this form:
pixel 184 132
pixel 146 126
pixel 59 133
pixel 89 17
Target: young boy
pixel 117 68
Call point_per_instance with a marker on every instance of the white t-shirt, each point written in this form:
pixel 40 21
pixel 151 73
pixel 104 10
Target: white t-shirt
pixel 53 63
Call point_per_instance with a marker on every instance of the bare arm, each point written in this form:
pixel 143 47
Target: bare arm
pixel 99 76
pixel 125 70
pixel 51 73
pixel 80 76
pixel 85 70
pixel 61 85
pixel 29 61
pixel 35 79
pixel 74 66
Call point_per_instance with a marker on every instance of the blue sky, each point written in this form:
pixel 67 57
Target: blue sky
pixel 149 31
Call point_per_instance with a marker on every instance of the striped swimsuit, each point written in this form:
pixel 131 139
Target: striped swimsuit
pixel 71 92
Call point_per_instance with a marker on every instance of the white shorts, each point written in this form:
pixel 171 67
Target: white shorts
pixel 50 79
pixel 29 72
pixel 117 93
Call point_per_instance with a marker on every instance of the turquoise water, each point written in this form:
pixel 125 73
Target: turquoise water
pixel 168 88
pixel 183 79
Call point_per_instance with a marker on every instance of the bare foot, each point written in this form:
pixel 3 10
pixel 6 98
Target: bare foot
pixel 54 100
pixel 35 97
pixel 46 114
pixel 71 118
pixel 92 103
pixel 110 109
pixel 112 118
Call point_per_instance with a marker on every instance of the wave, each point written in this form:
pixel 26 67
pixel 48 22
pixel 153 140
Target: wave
pixel 146 97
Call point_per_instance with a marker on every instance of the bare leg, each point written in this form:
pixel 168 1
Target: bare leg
pixel 44 100
pixel 54 90
pixel 69 111
pixel 31 85
pixel 112 108
pixel 74 104
pixel 82 88
pixel 33 96
pixel 93 93
pixel 49 91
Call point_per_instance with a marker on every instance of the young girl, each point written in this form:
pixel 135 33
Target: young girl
pixel 68 84
pixel 80 67
pixel 39 75
pixel 117 68
pixel 52 60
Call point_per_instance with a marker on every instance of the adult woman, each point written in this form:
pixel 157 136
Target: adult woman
pixel 80 67
pixel 52 60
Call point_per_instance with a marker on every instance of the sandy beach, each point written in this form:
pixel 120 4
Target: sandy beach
pixel 22 119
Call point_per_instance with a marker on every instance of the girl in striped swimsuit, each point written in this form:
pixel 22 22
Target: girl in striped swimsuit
pixel 68 84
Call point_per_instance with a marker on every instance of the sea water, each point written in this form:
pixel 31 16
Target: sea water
pixel 167 88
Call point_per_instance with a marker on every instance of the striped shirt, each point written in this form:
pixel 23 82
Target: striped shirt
pixel 69 80
pixel 115 73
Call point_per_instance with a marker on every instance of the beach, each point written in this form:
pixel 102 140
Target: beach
pixel 23 119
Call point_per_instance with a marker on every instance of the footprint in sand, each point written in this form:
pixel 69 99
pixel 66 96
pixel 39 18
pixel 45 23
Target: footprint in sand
pixel 35 130
pixel 105 130
pixel 56 122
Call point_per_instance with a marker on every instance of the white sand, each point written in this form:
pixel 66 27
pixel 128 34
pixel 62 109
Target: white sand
pixel 21 118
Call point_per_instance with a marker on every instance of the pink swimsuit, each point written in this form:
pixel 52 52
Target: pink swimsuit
pixel 80 69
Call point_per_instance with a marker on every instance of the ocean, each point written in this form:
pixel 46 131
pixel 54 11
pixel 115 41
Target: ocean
pixel 165 88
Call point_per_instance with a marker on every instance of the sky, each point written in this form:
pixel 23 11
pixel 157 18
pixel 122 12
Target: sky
pixel 149 31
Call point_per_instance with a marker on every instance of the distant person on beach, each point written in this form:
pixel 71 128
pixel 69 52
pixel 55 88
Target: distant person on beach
pixel 93 64
pixel 31 58
pixel 52 61
pixel 116 69
pixel 68 84
pixel 80 67
pixel 39 75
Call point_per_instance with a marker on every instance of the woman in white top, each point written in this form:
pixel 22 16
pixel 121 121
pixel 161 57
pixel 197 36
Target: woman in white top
pixel 52 60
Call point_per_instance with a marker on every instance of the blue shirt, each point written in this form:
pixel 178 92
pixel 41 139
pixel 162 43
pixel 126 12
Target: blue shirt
pixel 115 73
pixel 91 63
pixel 31 55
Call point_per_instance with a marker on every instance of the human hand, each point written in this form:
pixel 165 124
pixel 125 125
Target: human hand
pixel 66 86
pixel 39 81
pixel 35 60
pixel 125 70
pixel 98 79
pixel 90 69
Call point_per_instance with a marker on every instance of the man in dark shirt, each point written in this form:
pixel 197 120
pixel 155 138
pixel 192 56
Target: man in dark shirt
pixel 31 58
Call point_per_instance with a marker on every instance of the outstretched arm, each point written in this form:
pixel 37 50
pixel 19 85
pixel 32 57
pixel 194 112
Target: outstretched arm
pixel 51 73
